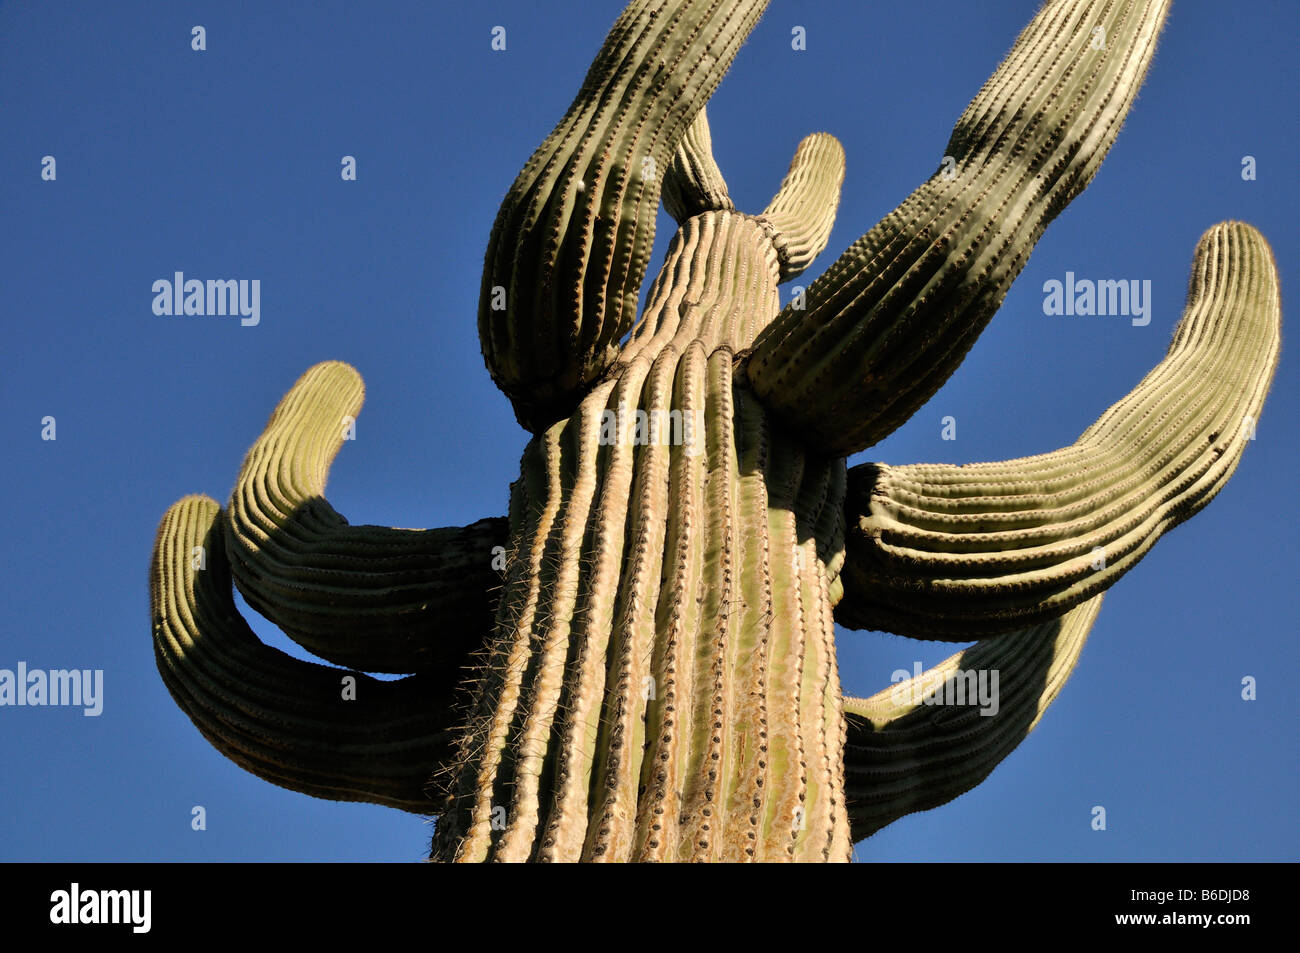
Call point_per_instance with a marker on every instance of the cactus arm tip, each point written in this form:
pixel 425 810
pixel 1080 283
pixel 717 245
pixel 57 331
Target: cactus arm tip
pixel 572 239
pixel 959 552
pixel 802 213
pixel 369 597
pixel 893 317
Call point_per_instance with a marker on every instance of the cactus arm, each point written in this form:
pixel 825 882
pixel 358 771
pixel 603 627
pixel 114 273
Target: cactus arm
pixel 803 211
pixel 909 748
pixel 693 183
pixel 958 552
pixel 798 219
pixel 574 234
pixel 888 323
pixel 367 597
pixel 285 720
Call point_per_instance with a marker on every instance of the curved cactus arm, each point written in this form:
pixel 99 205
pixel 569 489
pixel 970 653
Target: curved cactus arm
pixel 957 552
pixel 924 741
pixel 367 597
pixel 803 211
pixel 799 218
pixel 574 234
pixel 887 324
pixel 287 721
pixel 693 183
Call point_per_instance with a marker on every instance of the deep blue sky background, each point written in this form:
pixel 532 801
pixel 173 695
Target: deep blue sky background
pixel 225 163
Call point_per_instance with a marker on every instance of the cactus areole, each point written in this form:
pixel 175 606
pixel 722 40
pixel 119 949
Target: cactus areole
pixel 648 671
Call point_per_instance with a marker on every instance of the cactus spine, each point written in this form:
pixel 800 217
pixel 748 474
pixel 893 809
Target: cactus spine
pixel 654 677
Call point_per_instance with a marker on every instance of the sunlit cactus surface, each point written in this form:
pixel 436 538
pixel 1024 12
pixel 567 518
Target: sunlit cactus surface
pixel 637 661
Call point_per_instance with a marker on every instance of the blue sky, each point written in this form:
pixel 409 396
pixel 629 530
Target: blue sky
pixel 225 163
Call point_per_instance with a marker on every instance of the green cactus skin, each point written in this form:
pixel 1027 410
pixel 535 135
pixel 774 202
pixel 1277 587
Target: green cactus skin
pixel 695 566
pixel 695 183
pixel 892 318
pixel 275 716
pixel 573 237
pixel 365 597
pixel 952 552
pixel 901 757
pixel 653 676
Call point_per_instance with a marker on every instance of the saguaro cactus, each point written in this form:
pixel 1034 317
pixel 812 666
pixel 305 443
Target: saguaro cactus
pixel 652 675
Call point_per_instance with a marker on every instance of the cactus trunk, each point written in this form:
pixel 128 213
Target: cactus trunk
pixel 662 682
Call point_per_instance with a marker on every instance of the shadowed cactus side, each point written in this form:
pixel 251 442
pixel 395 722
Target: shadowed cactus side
pixel 653 676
